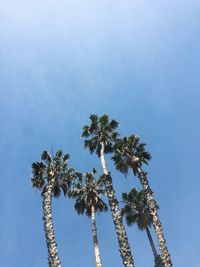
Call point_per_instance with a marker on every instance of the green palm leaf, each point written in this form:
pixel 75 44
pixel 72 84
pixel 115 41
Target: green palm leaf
pixel 101 129
pixel 136 210
pixel 56 167
pixel 87 194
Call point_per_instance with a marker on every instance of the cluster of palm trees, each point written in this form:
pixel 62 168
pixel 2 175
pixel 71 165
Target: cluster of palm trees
pixel 53 176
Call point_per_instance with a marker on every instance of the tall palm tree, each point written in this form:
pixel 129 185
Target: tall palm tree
pixel 51 176
pixel 101 134
pixel 136 211
pixel 129 153
pixel 88 200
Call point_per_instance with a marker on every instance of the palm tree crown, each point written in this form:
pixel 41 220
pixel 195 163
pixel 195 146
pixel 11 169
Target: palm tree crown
pixel 136 209
pixel 88 193
pixel 52 166
pixel 101 129
pixel 130 153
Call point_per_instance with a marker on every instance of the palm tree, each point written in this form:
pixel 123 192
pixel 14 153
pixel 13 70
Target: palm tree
pixel 136 211
pixel 129 153
pixel 88 200
pixel 101 134
pixel 51 175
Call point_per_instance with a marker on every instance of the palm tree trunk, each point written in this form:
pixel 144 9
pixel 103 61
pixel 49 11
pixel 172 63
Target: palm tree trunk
pixel 95 240
pixel 124 246
pixel 156 221
pixel 151 243
pixel 53 258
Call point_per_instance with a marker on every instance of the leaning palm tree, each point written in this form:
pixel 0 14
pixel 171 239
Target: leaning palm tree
pixel 87 193
pixel 136 211
pixel 100 136
pixel 51 176
pixel 129 153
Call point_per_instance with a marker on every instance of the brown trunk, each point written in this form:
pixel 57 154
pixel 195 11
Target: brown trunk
pixel 156 221
pixel 95 240
pixel 124 246
pixel 151 242
pixel 53 258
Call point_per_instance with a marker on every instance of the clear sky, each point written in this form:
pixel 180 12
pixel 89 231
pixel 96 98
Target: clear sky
pixel 62 60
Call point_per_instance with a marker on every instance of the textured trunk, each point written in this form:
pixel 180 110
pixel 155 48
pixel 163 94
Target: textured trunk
pixel 95 240
pixel 151 243
pixel 53 257
pixel 124 246
pixel 156 221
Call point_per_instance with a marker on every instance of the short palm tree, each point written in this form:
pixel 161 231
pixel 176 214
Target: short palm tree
pixel 51 176
pixel 136 211
pixel 100 136
pixel 87 193
pixel 129 153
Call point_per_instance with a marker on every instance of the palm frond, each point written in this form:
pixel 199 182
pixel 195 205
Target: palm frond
pixel 65 157
pixel 88 193
pixel 100 130
pixel 94 118
pixel 46 157
pixel 113 124
pixel 57 190
pixel 136 209
pixel 104 120
pixel 37 182
pixel 58 154
pixel 53 168
pixel 86 131
pixel 129 153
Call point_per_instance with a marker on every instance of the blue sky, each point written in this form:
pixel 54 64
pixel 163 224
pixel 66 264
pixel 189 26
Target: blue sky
pixel 139 62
